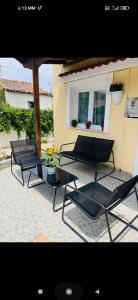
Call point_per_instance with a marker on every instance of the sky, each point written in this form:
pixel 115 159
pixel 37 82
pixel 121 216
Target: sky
pixel 11 69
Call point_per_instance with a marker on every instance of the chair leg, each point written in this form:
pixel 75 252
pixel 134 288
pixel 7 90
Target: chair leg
pixel 136 193
pixel 22 182
pixel 108 226
pixel 95 174
pixel 65 222
pixel 128 225
pixel 113 162
pixel 22 176
pixel 108 174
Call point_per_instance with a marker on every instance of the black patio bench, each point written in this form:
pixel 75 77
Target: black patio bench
pixel 94 200
pixel 92 151
pixel 24 154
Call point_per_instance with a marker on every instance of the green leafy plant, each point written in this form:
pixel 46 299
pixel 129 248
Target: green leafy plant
pixel 2 96
pixel 22 120
pixel 116 87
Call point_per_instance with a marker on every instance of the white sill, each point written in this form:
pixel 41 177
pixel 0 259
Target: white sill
pixel 85 129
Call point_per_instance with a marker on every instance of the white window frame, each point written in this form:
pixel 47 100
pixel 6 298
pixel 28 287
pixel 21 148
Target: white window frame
pixel 91 102
pixel 90 107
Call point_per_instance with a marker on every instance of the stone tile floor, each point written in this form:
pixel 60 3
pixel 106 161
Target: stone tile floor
pixel 26 213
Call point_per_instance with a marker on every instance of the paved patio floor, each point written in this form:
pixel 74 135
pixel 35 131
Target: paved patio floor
pixel 26 213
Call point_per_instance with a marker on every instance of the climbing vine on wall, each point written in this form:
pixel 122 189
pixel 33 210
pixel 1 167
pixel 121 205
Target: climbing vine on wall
pixel 2 96
pixel 22 120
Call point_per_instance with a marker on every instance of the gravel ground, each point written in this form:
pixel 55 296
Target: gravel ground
pixel 26 213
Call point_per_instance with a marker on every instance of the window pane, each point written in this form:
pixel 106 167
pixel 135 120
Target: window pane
pixel 99 108
pixel 83 107
pixel 30 104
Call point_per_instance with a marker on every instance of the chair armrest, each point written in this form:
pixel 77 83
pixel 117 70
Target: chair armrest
pixel 76 190
pixel 66 145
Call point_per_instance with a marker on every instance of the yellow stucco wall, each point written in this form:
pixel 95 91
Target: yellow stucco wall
pixel 123 130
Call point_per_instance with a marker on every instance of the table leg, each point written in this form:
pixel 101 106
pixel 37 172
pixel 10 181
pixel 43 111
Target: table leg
pixel 55 192
pixel 54 201
pixel 75 184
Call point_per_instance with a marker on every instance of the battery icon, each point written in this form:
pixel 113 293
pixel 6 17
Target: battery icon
pixel 124 7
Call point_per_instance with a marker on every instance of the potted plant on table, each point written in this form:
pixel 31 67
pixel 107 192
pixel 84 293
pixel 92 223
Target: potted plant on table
pixel 51 158
pixel 116 90
pixel 88 124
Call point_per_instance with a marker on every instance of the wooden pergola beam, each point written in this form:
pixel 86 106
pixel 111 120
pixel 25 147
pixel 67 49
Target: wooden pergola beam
pixel 27 63
pixel 36 105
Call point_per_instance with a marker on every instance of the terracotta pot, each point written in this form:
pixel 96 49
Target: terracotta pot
pixel 88 126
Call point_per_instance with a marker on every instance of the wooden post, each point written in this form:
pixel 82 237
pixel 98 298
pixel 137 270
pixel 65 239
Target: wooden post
pixel 36 105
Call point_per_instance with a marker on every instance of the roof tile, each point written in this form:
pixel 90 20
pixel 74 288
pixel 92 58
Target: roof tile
pixel 92 66
pixel 20 86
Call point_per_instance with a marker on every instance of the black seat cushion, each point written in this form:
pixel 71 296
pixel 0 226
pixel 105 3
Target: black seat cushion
pixel 85 158
pixel 94 191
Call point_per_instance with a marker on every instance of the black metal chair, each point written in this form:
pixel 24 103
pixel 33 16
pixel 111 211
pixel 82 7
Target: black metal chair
pixel 92 151
pixel 24 154
pixel 95 200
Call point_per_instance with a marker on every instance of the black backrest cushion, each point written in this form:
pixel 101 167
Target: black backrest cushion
pixel 84 144
pixel 121 191
pixel 103 147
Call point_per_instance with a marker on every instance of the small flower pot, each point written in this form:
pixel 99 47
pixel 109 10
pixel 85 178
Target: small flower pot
pixel 74 123
pixel 88 126
pixel 117 96
pixel 51 178
pixel 50 170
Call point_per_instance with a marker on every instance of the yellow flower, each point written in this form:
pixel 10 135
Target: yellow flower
pixel 55 149
pixel 49 151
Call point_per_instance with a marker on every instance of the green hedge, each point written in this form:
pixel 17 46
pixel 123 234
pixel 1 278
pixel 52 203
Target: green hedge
pixel 20 120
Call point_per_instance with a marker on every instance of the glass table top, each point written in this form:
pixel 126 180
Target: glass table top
pixel 60 177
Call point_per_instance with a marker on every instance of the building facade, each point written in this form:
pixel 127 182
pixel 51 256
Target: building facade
pixel 20 94
pixel 81 92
